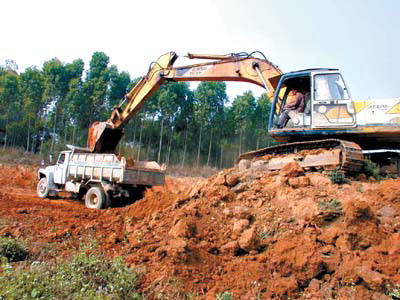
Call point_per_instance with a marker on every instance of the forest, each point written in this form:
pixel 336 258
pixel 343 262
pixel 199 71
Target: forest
pixel 44 109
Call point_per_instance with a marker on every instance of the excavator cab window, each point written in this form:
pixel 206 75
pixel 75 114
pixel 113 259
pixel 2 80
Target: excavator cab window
pixel 330 87
pixel 332 103
pixel 281 96
pixel 287 98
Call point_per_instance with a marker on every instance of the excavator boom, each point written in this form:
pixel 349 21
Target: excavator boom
pixel 104 136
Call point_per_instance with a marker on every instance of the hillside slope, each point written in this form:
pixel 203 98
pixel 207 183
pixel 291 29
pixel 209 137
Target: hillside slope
pixel 252 233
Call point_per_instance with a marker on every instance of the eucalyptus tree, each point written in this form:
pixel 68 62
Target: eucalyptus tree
pixel 210 98
pixel 9 102
pixel 261 120
pixel 243 108
pixel 32 88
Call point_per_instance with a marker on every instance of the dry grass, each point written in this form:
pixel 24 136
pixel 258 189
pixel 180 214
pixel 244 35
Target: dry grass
pixel 18 156
pixel 191 171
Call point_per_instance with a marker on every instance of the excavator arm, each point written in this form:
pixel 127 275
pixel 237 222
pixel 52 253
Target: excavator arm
pixel 104 136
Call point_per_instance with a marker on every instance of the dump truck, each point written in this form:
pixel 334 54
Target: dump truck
pixel 98 177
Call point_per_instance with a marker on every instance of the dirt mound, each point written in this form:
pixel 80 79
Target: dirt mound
pixel 256 234
pixel 19 176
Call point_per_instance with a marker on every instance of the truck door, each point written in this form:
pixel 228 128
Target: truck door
pixel 60 169
pixel 332 104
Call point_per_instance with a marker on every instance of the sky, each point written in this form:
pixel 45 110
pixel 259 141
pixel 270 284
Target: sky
pixel 360 37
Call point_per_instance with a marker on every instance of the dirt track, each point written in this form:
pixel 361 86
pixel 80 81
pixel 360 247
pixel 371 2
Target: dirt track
pixel 252 233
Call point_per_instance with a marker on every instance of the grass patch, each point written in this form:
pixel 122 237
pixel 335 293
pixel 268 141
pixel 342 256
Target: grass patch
pixel 18 156
pixel 333 204
pixel 87 274
pixel 337 176
pixel 225 296
pixel 12 250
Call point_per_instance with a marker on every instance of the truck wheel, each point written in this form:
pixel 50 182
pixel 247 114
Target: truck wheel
pixel 109 198
pixel 42 189
pixel 95 198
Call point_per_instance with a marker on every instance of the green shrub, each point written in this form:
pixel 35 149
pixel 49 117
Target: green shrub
pixel 83 276
pixel 225 296
pixel 394 293
pixel 337 176
pixel 12 250
pixel 370 169
pixel 332 204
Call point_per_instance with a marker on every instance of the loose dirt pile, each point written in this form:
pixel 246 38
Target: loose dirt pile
pixel 256 234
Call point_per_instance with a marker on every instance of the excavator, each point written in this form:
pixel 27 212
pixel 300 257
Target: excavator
pixel 332 131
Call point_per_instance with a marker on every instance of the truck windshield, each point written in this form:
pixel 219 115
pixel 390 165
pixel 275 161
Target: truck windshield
pixel 330 87
pixel 61 159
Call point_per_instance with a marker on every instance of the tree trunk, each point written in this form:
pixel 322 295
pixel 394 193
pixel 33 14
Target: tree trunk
pixel 41 142
pixel 77 136
pixel 34 140
pixel 209 149
pixel 65 133
pixel 6 134
pixel 13 139
pixel 184 148
pixel 140 139
pixel 161 138
pixel 169 145
pixel 240 142
pixel 54 133
pixel 73 134
pixel 149 140
pixel 199 146
pixel 220 159
pixel 217 151
pixel 258 142
pixel 29 129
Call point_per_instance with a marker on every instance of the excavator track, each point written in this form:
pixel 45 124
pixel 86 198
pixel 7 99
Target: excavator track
pixel 344 155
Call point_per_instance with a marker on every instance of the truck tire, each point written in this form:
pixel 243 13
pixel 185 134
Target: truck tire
pixel 42 188
pixel 95 198
pixel 109 198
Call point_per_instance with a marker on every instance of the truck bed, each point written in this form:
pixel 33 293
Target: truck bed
pixel 108 167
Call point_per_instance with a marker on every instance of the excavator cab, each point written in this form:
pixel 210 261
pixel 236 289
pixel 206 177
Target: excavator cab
pixel 327 103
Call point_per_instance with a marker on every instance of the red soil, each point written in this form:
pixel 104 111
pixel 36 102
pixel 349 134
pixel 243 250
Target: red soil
pixel 250 232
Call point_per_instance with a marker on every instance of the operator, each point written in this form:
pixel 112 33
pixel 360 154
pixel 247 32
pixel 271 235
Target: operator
pixel 297 105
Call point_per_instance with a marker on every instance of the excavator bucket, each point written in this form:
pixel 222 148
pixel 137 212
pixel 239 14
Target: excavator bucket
pixel 102 138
